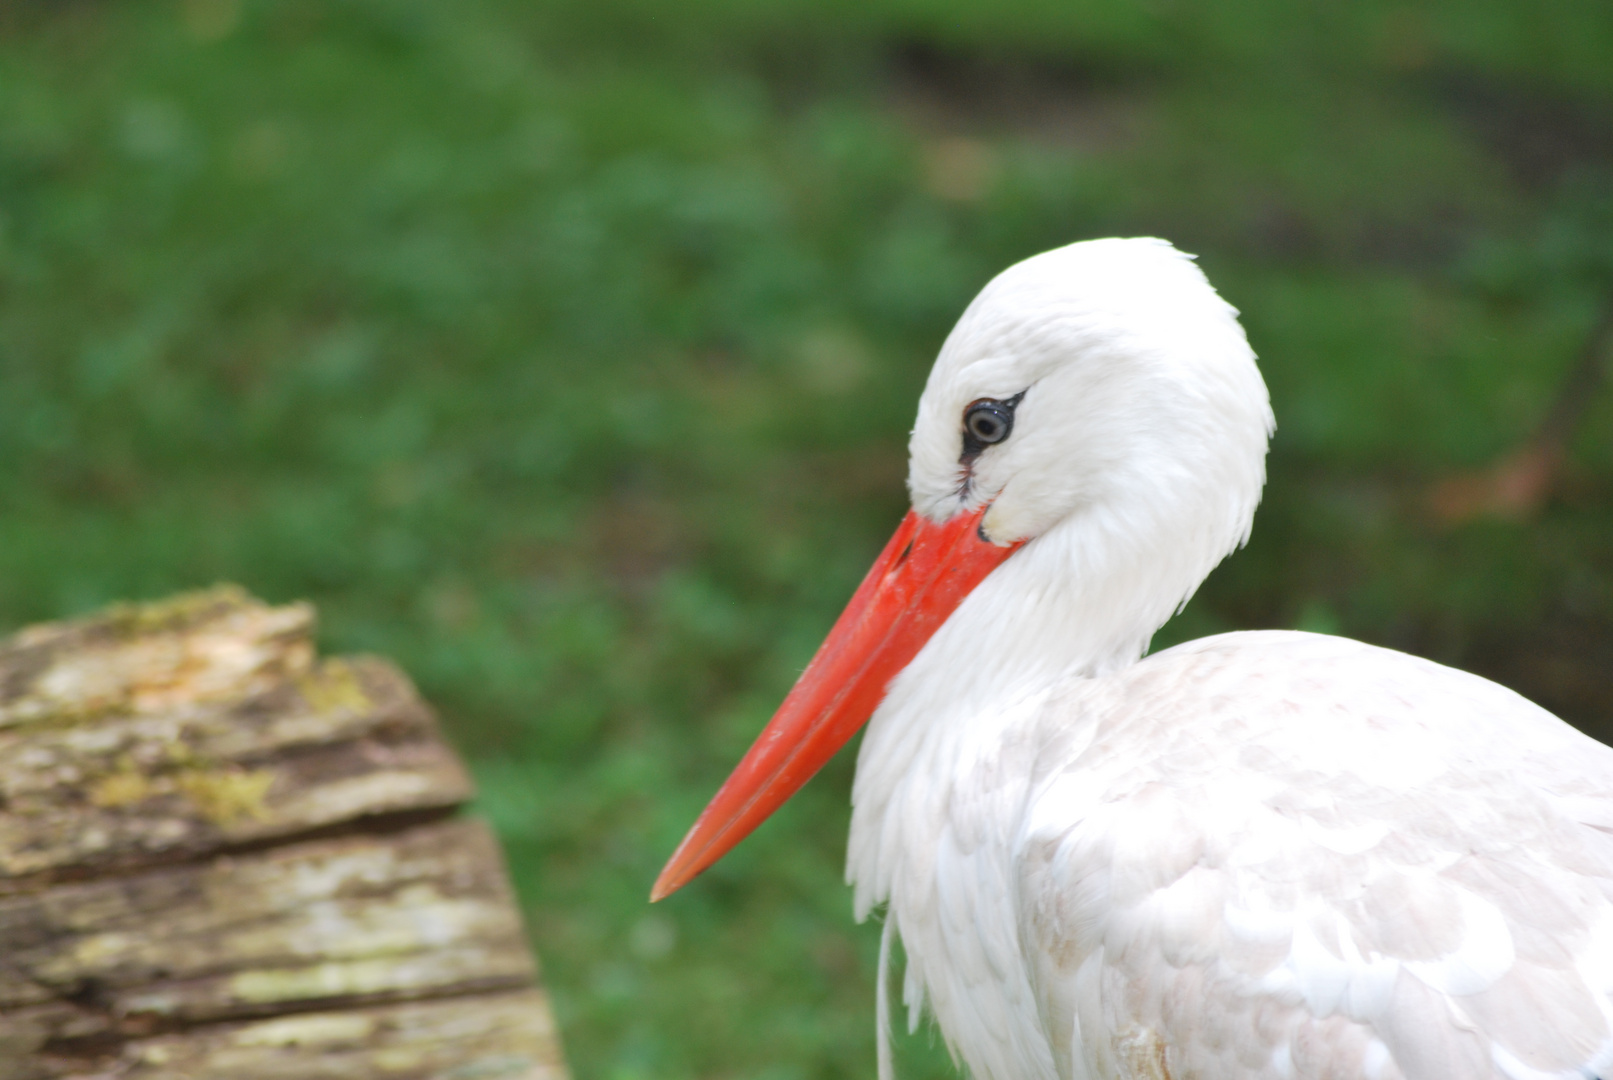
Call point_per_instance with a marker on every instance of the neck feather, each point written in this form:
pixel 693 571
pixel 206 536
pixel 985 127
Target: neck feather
pixel 1081 600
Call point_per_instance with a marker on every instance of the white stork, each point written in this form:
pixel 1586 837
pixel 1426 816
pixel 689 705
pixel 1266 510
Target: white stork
pixel 1270 854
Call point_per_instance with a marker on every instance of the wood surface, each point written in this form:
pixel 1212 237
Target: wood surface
pixel 221 856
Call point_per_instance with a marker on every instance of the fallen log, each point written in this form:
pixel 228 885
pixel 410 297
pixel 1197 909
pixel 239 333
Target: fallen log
pixel 222 856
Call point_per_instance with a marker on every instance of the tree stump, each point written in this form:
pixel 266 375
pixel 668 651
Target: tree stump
pixel 221 856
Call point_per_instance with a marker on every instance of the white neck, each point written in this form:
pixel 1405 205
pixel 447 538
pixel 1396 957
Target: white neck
pixel 1081 600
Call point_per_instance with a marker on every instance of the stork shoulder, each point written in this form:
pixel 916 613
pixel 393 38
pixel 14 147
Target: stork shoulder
pixel 1283 854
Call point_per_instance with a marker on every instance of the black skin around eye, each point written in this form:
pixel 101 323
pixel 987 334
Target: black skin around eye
pixel 987 422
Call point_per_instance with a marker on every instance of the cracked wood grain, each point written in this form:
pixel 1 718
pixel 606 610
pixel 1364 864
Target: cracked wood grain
pixel 221 856
pixel 176 729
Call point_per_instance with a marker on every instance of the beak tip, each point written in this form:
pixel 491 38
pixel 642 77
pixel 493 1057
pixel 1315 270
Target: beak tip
pixel 667 884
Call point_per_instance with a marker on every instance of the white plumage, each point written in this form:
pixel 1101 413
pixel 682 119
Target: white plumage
pixel 1258 855
pixel 1264 854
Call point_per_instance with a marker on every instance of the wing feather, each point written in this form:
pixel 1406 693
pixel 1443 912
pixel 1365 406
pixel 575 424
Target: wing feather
pixel 1286 856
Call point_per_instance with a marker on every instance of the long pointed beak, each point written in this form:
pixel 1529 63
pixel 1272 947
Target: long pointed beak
pixel 918 581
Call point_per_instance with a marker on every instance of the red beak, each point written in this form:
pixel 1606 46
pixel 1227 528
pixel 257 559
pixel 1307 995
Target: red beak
pixel 919 579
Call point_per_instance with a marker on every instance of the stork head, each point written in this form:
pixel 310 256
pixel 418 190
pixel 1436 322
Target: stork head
pixel 1100 397
pixel 1102 378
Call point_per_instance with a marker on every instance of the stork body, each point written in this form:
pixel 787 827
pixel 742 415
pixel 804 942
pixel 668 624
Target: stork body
pixel 1265 854
pixel 1257 855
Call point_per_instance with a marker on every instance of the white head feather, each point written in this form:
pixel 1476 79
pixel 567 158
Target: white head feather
pixel 1140 390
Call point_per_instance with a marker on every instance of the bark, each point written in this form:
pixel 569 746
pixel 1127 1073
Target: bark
pixel 221 856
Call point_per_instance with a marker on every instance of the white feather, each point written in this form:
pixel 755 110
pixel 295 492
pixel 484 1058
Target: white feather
pixel 1255 855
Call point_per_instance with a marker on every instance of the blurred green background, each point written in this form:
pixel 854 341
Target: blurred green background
pixel 565 352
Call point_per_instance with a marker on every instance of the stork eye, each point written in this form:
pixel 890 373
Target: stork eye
pixel 987 422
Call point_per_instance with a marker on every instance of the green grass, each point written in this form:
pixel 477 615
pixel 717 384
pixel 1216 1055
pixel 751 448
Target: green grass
pixel 565 353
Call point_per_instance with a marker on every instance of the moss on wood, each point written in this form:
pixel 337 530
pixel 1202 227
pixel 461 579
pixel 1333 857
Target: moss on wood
pixel 172 903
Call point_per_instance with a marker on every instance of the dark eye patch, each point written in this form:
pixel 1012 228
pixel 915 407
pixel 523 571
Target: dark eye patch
pixel 987 422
